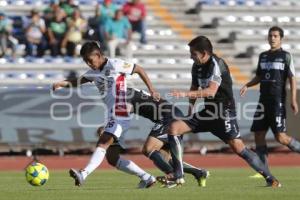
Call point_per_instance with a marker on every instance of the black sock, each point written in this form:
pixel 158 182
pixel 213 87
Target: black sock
pixel 160 162
pixel 176 153
pixel 253 160
pixel 190 169
pixel 262 152
pixel 294 145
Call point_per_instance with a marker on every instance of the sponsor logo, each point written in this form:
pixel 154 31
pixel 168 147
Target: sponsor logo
pixel 37 103
pixel 126 65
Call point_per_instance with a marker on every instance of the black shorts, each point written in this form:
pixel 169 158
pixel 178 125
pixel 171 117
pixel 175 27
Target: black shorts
pixel 159 131
pixel 270 114
pixel 222 124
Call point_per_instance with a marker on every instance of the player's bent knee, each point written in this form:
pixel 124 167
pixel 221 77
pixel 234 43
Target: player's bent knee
pixel 173 129
pixel 237 145
pixel 112 161
pixel 283 138
pixel 105 140
pixel 147 150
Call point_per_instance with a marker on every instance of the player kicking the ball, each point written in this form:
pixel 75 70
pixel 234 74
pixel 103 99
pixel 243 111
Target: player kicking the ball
pixel 109 76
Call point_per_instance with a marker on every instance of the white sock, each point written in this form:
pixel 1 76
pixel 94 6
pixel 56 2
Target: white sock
pixel 94 162
pixel 130 167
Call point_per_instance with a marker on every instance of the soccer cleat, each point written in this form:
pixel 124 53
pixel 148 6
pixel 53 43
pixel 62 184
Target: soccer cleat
pixel 147 183
pixel 174 183
pixel 256 176
pixel 274 183
pixel 77 176
pixel 202 179
pixel 162 179
pixel 170 182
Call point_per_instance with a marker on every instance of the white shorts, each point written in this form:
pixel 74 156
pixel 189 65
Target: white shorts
pixel 117 127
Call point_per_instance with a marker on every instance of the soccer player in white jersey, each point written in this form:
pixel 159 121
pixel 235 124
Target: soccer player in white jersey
pixel 109 75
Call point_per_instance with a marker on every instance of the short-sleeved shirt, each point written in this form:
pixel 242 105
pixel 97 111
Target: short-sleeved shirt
pixel 215 70
pixel 58 28
pixel 35 29
pixel 111 84
pixel 5 25
pixel 274 67
pixel 118 28
pixel 134 12
pixel 108 12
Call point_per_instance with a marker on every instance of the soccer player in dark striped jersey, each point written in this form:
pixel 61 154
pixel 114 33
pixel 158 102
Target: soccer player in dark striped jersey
pixel 274 67
pixel 211 80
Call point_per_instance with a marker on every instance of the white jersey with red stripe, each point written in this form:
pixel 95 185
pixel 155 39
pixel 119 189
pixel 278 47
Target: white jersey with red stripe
pixel 111 83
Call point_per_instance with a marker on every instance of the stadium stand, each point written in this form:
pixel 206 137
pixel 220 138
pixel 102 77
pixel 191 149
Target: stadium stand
pixel 238 34
pixel 244 25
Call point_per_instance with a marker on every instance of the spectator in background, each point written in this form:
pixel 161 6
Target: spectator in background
pixel 56 33
pixel 108 10
pixel 96 27
pixel 76 28
pixel 103 13
pixel 34 33
pixel 6 39
pixel 118 34
pixel 136 13
pixel 50 11
pixel 68 6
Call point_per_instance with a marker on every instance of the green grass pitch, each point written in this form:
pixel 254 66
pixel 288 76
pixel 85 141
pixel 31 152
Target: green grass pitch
pixel 227 184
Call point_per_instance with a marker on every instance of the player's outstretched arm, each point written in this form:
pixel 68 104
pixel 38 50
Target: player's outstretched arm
pixel 210 91
pixel 294 104
pixel 141 72
pixel 251 83
pixel 69 83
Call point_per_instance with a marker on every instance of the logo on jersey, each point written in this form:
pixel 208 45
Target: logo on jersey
pixel 267 75
pixel 272 65
pixel 268 65
pixel 156 127
pixel 126 65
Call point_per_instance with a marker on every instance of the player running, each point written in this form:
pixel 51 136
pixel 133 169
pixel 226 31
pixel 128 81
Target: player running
pixel 211 74
pixel 109 76
pixel 274 67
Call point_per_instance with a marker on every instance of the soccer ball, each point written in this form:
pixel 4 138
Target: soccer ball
pixel 37 174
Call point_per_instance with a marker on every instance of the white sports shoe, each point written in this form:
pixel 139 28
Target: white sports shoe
pixel 77 176
pixel 147 183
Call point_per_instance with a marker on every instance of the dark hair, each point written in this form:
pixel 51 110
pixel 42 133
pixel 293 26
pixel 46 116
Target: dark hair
pixel 276 28
pixel 201 44
pixel 88 47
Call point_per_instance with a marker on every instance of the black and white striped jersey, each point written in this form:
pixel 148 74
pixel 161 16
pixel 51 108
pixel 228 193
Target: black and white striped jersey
pixel 274 67
pixel 144 105
pixel 215 70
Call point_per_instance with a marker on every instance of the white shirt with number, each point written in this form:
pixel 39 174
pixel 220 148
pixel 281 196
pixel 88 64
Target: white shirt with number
pixel 111 84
